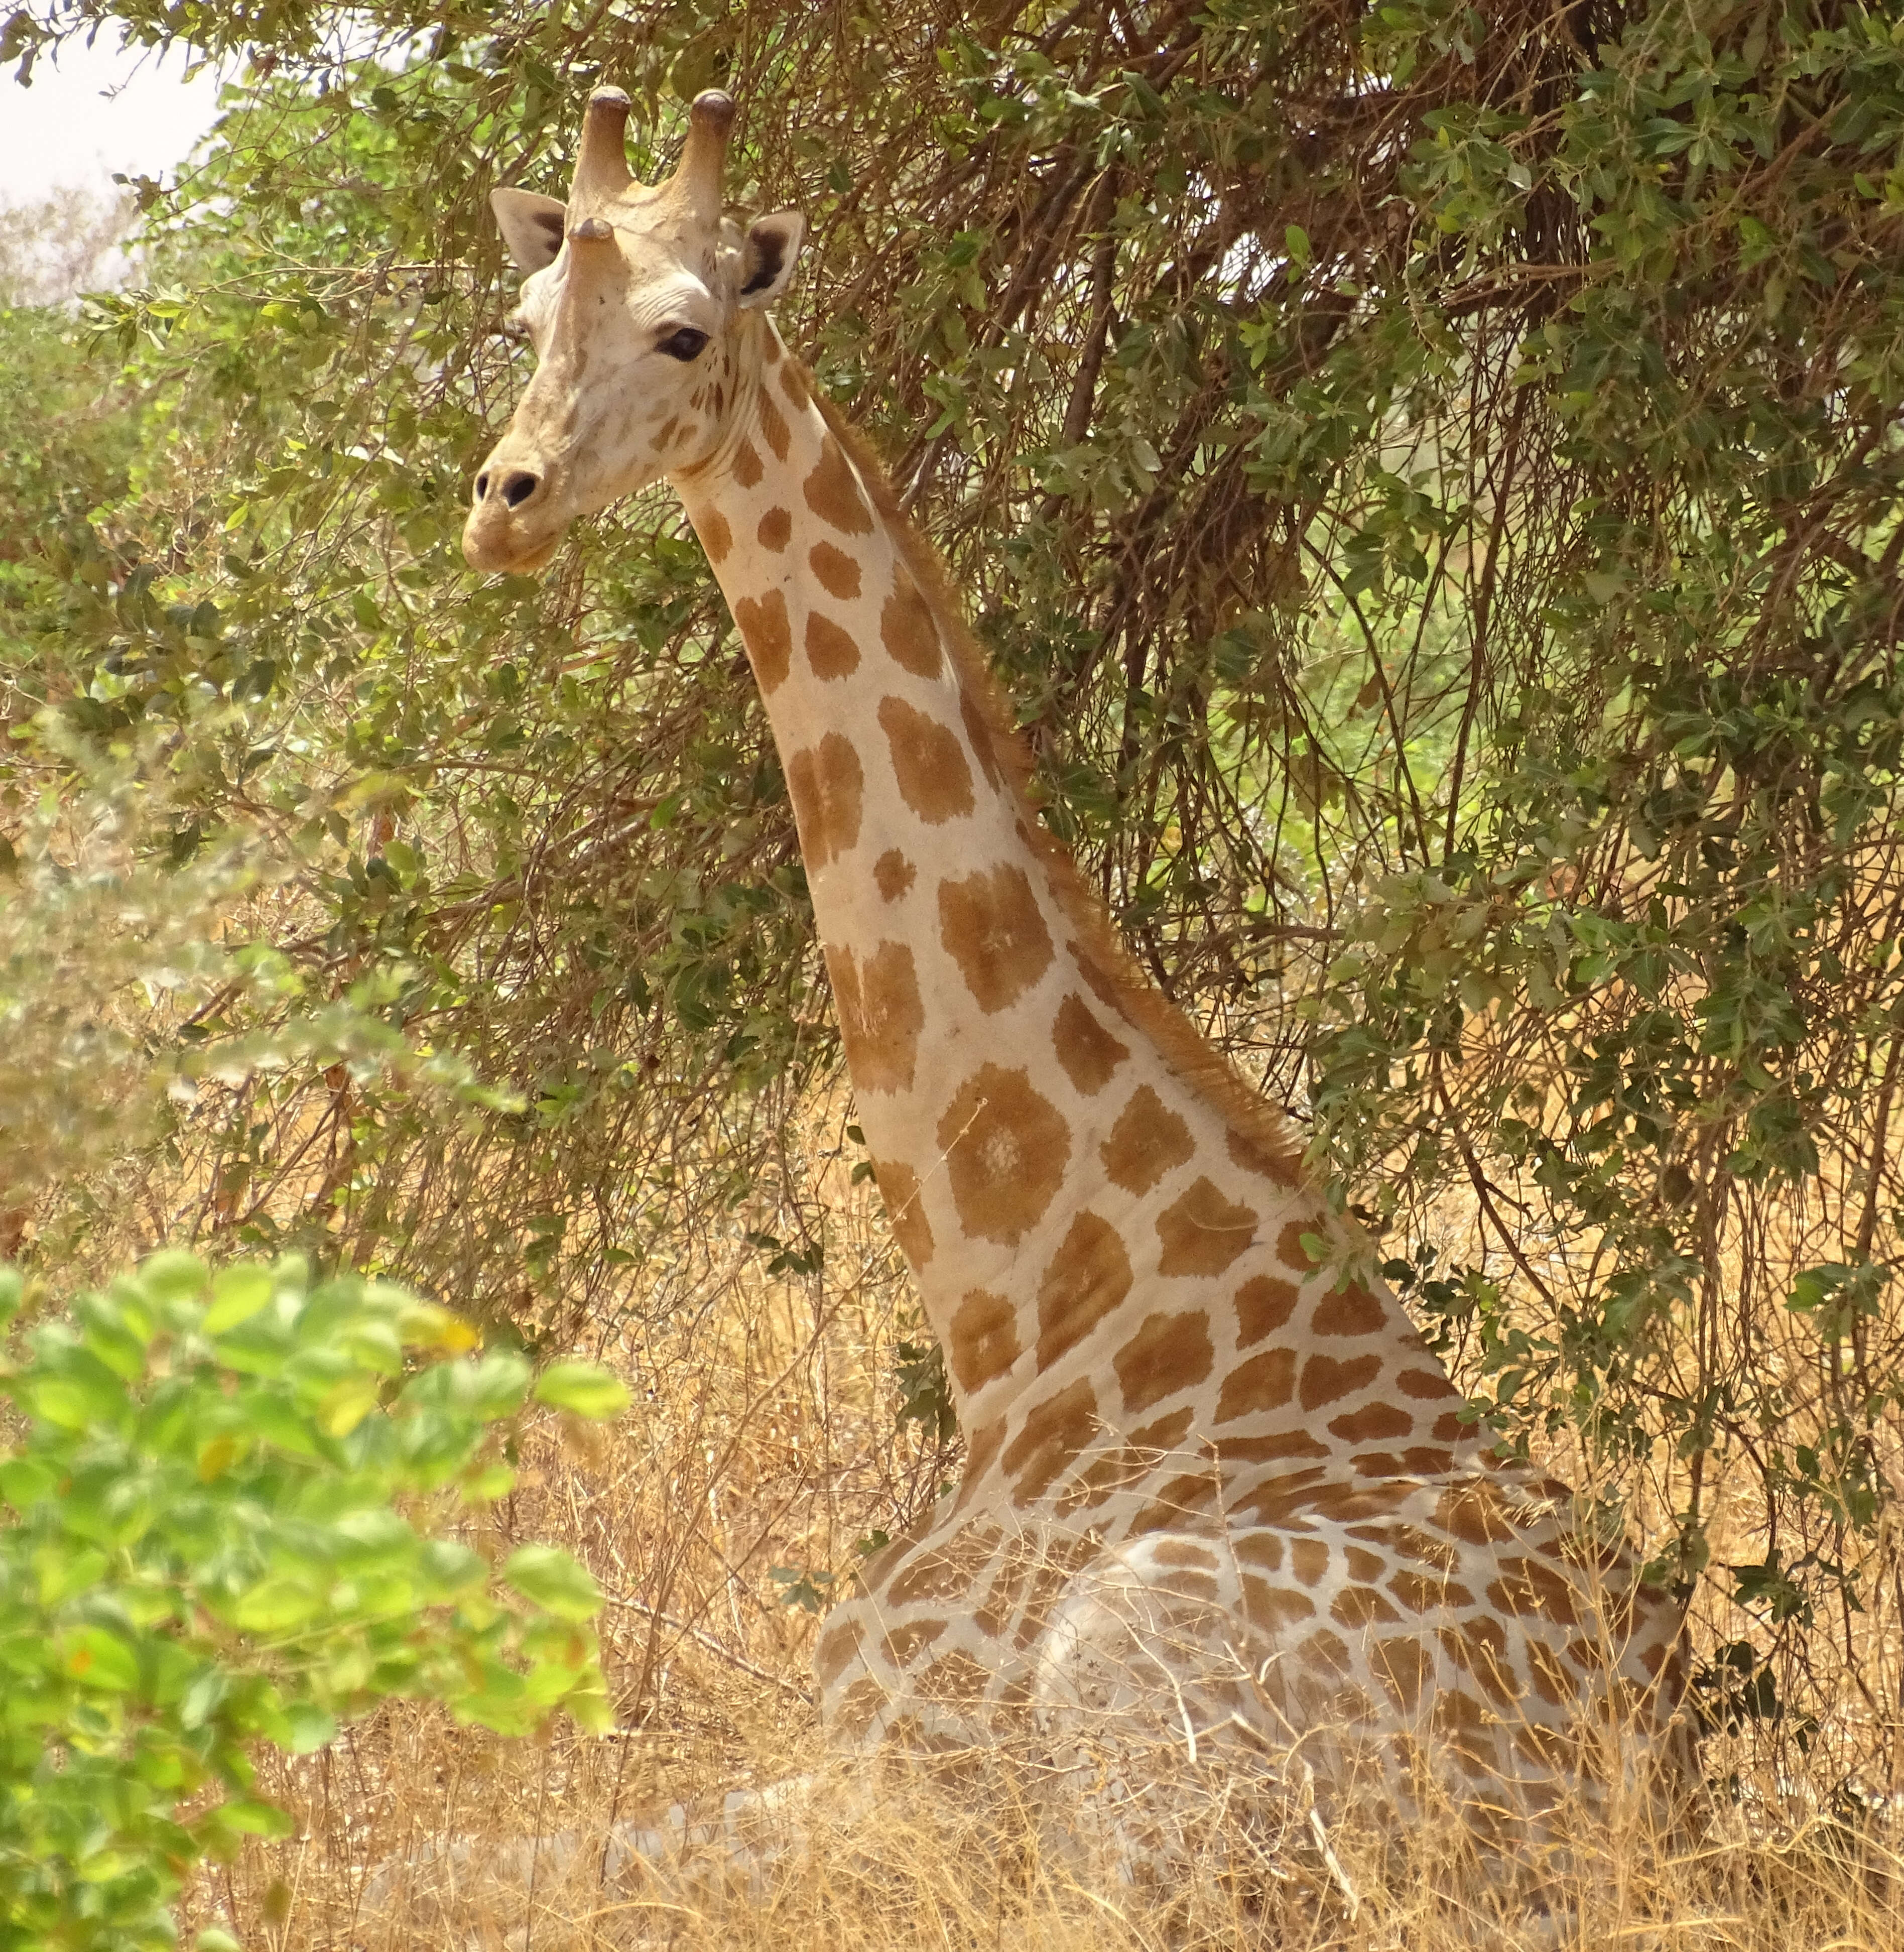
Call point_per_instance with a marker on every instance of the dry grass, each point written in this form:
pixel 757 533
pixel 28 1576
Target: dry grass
pixel 764 1442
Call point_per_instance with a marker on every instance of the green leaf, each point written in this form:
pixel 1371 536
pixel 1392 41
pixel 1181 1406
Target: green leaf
pixel 583 1389
pixel 97 1659
pixel 237 1294
pixel 277 1604
pixel 554 1582
pixel 311 1729
pixel 173 1274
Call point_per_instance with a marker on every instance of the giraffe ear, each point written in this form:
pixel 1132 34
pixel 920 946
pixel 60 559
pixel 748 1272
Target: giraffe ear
pixel 767 259
pixel 531 226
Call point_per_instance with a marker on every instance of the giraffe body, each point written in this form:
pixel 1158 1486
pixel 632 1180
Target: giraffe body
pixel 1218 1488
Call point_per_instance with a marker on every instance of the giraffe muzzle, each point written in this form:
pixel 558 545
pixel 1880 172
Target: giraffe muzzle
pixel 508 528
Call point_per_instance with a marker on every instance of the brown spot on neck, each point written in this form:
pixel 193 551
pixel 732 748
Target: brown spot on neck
pixel 772 426
pixel 768 635
pixel 827 789
pixel 748 469
pixel 1006 1148
pixel 983 1341
pixel 1055 1435
pixel 1264 1303
pixel 775 530
pixel 1088 1052
pixel 907 631
pixel 991 926
pixel 716 537
pixel 1327 1381
pixel 1265 1382
pixel 1169 1353
pixel 839 573
pixel 1088 1278
pixel 927 762
pixel 893 875
pixel 831 651
pixel 1148 1141
pixel 898 1186
pixel 1203 1232
pixel 833 491
pixel 880 1015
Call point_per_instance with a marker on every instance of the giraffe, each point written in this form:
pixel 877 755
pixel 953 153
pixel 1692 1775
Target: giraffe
pixel 1219 1489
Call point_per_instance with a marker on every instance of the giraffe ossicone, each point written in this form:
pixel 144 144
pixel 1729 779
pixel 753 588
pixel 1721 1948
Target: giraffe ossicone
pixel 1217 1491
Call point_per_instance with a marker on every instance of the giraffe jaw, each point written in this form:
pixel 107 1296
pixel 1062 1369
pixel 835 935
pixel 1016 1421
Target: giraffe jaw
pixel 493 550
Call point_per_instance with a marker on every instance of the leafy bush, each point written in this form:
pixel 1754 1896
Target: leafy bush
pixel 226 1493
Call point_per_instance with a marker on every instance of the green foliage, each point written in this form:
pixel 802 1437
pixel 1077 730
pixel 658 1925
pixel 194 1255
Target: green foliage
pixel 227 1498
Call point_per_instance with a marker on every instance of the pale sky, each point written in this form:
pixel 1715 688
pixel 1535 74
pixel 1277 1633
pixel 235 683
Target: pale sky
pixel 67 130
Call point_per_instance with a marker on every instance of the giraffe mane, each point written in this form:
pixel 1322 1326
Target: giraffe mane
pixel 1186 1053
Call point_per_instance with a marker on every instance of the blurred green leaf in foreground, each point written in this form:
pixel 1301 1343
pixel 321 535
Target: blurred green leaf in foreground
pixel 225 1495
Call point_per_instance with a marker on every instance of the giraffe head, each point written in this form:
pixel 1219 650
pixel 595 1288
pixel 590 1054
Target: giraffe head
pixel 636 301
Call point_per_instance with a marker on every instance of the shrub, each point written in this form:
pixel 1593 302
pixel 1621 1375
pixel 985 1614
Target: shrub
pixel 227 1493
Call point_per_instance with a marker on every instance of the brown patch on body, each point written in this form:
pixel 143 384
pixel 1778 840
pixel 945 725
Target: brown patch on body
pixel 907 629
pixel 953 1680
pixel 1308 1560
pixel 1006 1148
pixel 1168 1352
pixel 1089 1277
pixel 768 635
pixel 831 650
pixel 839 1644
pixel 1148 1141
pixel 893 875
pixel 1405 1668
pixel 747 465
pixel 983 1342
pixel 1272 1608
pixel 793 383
pixel 943 1568
pixel 880 1015
pixel 1264 1382
pixel 1372 1423
pixel 1088 1052
pixel 903 1642
pixel 1166 1433
pixel 1427 1592
pixel 839 573
pixel 1362 1606
pixel 991 926
pixel 1326 1381
pixel 1474 1514
pixel 854 1713
pixel 1055 1435
pixel 773 424
pixel 1264 1303
pixel 828 790
pixel 1203 1232
pixel 833 491
pixel 1349 1311
pixel 775 529
pixel 1426 1386
pixel 928 762
pixel 905 1211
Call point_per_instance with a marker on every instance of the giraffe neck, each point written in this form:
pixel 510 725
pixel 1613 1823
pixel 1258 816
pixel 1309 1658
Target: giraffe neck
pixel 1106 1225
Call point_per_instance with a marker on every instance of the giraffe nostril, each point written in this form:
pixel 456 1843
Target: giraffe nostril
pixel 482 487
pixel 518 488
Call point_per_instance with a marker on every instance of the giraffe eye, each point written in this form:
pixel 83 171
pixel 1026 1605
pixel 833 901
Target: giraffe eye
pixel 684 344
